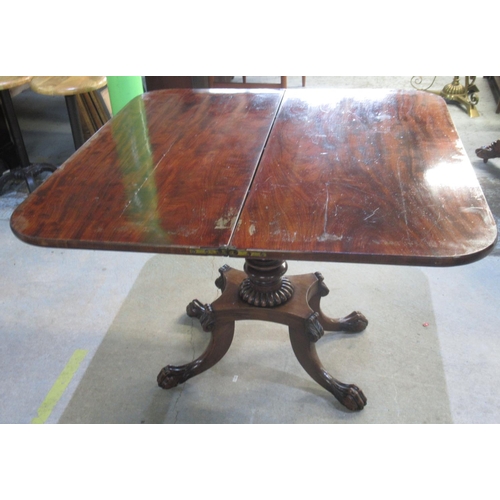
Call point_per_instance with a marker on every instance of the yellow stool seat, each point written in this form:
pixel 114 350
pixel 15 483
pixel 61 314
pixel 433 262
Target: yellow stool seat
pixel 11 82
pixel 69 87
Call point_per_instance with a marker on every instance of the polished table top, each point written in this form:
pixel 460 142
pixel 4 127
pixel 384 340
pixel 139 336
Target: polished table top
pixel 367 176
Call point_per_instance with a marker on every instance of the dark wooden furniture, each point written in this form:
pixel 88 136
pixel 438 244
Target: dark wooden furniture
pixel 200 82
pixel 488 152
pixel 494 82
pixel 223 82
pixel 175 82
pixel 366 176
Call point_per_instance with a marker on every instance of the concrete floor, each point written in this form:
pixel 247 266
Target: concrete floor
pixel 83 333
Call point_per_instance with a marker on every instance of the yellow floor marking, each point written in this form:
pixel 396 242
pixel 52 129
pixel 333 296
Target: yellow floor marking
pixel 59 386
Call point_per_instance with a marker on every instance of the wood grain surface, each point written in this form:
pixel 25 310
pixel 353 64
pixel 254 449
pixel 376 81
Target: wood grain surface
pixel 67 85
pixel 11 82
pixel 169 173
pixel 368 176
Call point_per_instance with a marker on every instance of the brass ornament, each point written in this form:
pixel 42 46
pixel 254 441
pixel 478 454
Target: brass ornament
pixel 463 94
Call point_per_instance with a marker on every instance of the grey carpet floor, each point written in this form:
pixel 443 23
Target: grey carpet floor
pixel 396 361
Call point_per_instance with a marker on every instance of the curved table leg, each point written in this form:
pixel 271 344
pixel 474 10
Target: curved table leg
pixel 349 395
pixel 301 313
pixel 352 323
pixel 220 341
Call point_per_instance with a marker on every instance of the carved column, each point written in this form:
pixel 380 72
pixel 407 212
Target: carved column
pixel 265 285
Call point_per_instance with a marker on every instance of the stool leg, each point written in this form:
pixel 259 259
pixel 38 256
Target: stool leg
pixel 26 171
pixel 74 120
pixel 15 130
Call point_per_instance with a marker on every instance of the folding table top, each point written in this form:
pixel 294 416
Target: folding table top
pixel 372 176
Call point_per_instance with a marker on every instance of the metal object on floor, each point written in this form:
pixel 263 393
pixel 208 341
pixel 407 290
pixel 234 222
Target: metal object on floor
pixel 465 95
pixel 26 171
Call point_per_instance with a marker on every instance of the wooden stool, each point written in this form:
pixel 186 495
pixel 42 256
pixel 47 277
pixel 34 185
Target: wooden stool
pixel 26 171
pixel 69 87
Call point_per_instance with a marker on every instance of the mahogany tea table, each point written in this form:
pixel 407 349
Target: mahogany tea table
pixel 359 176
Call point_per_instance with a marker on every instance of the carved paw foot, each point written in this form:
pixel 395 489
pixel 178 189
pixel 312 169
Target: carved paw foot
pixel 352 397
pixel 204 313
pixel 168 378
pixel 488 152
pixel 354 322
